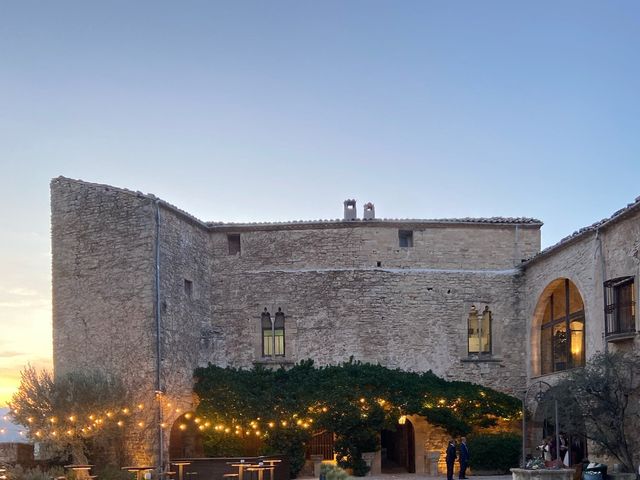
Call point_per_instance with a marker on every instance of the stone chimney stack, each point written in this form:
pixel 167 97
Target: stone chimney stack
pixel 350 212
pixel 369 211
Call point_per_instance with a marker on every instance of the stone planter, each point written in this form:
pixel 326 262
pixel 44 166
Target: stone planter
pixel 621 476
pixel 374 462
pixel 317 461
pixel 542 474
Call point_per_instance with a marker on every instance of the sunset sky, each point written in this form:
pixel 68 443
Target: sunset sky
pixel 261 111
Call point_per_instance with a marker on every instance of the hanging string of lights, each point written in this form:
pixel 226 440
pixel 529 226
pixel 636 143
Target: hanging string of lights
pixel 74 425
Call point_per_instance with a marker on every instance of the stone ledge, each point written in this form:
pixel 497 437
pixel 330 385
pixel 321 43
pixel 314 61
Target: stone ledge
pixel 621 476
pixel 481 360
pixel 542 474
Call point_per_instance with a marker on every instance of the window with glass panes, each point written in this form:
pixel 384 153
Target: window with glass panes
pixel 272 334
pixel 620 306
pixel 562 330
pixel 479 331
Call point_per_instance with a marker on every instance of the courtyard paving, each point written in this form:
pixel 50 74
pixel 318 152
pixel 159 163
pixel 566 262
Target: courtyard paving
pixel 416 476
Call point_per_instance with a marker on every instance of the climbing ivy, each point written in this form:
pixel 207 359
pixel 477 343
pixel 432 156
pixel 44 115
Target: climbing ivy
pixel 354 400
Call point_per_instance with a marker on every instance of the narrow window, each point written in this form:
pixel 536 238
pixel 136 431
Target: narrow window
pixel 479 331
pixel 272 334
pixel 405 238
pixel 620 306
pixel 234 243
pixel 278 334
pixel 188 288
pixel 267 334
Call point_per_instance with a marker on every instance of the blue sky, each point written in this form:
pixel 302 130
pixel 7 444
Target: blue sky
pixel 243 111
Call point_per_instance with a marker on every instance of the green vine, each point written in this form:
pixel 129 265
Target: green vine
pixel 354 400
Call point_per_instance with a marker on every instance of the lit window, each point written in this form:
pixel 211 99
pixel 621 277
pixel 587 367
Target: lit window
pixel 267 334
pixel 620 306
pixel 479 331
pixel 272 334
pixel 278 333
pixel 562 331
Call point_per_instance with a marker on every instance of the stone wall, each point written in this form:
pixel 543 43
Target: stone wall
pixel 364 244
pixel 187 307
pixel 103 243
pixel 103 270
pixel 588 261
pixel 605 251
pixel 347 289
pixel 14 453
pixel 409 319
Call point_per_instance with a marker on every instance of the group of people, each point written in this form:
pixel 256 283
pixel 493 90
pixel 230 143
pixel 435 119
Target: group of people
pixel 452 455
pixel 549 450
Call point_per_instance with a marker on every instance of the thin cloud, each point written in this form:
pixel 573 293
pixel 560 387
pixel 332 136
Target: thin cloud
pixel 11 354
pixel 23 304
pixel 22 292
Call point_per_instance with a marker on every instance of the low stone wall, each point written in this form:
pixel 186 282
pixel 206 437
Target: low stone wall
pixel 543 474
pixel 215 468
pixel 16 453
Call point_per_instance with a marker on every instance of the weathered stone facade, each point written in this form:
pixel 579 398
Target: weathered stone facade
pixel 134 276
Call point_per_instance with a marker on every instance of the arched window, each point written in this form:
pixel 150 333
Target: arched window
pixel 267 334
pixel 278 333
pixel 479 331
pixel 272 334
pixel 562 329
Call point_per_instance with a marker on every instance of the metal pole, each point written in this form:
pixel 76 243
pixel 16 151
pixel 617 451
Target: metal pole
pixel 555 404
pixel 524 430
pixel 158 342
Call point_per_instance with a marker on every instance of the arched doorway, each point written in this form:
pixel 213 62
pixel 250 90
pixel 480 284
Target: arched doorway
pixel 185 440
pixel 570 430
pixel 398 449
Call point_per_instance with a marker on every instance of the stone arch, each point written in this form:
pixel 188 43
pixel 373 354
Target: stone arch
pixel 185 439
pixel 544 426
pixel 573 310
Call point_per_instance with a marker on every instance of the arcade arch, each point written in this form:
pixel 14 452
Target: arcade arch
pixel 558 329
pixel 185 441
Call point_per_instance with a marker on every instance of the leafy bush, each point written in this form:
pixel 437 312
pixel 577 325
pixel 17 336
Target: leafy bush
pixel 20 473
pixel 332 472
pixel 499 451
pixel 288 442
pixel 216 444
pixel 354 401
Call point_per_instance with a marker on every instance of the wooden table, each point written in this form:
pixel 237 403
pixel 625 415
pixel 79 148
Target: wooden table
pixel 272 463
pixel 241 466
pixel 79 467
pixel 180 466
pixel 82 471
pixel 260 469
pixel 138 470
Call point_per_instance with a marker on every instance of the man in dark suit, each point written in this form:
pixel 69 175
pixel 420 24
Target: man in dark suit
pixel 464 458
pixel 451 458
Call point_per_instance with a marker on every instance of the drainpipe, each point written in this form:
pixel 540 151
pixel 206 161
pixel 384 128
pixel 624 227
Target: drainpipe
pixel 603 271
pixel 158 390
pixel 516 250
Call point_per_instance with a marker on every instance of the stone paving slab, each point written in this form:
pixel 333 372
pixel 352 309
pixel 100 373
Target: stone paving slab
pixel 422 476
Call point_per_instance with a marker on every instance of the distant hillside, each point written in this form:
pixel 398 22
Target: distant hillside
pixel 9 432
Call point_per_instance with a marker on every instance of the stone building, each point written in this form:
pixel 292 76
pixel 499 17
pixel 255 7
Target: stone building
pixel 143 289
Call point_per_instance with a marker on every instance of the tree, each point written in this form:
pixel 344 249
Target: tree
pixel 601 402
pixel 71 414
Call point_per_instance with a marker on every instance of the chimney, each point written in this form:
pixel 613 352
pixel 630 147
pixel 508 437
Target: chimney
pixel 369 211
pixel 350 210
